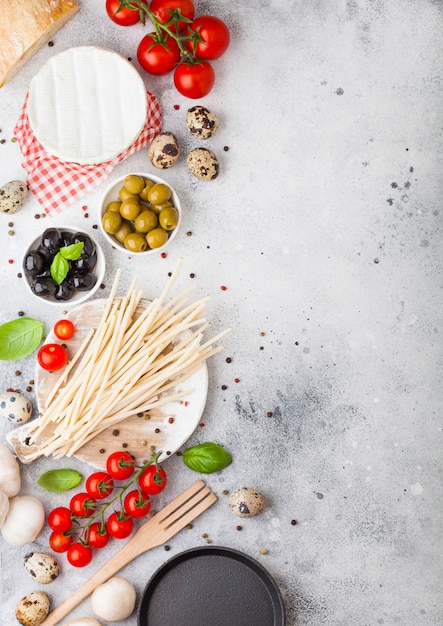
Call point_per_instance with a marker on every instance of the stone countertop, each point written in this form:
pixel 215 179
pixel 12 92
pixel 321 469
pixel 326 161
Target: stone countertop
pixel 325 226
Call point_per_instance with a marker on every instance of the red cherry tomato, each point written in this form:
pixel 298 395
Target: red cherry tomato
pixel 120 465
pixel 99 485
pixel 194 80
pixel 59 519
pixel 79 555
pixel 152 480
pixel 52 357
pixel 64 329
pixel 137 504
pixel 119 525
pixel 82 505
pixel 124 17
pixel 214 36
pixel 155 57
pixel 163 10
pixel 59 542
pixel 97 536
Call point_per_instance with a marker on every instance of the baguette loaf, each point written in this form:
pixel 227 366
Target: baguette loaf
pixel 27 26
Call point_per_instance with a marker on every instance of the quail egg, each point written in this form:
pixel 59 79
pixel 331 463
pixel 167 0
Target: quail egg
pixel 246 502
pixel 203 164
pixel 164 151
pixel 201 122
pixel 33 608
pixel 15 407
pixel 13 196
pixel 43 568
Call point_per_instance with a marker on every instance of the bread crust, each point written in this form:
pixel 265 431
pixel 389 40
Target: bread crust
pixel 27 26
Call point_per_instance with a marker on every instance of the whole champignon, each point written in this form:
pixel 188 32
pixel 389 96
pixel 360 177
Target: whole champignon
pixel 246 502
pixel 82 621
pixel 164 151
pixel 201 122
pixel 114 600
pixel 203 164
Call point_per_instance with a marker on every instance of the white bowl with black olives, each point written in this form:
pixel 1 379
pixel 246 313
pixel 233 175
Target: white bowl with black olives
pixel 140 214
pixel 64 266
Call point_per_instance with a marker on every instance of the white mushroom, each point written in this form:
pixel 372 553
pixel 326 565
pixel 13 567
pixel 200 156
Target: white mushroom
pixel 82 621
pixel 10 479
pixel 24 521
pixel 114 600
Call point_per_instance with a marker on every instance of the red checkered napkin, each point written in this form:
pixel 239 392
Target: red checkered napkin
pixel 56 183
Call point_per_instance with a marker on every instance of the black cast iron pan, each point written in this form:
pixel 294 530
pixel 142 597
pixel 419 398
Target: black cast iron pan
pixel 211 586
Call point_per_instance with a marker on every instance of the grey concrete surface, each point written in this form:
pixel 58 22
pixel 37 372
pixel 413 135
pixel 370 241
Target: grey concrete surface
pixel 325 226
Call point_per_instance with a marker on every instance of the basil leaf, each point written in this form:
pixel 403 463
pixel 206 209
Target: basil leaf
pixel 207 458
pixel 60 480
pixel 19 338
pixel 59 268
pixel 72 252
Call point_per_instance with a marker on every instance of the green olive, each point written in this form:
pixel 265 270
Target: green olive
pixel 158 207
pixel 146 221
pixel 158 193
pixel 157 238
pixel 114 206
pixel 135 242
pixel 134 183
pixel 125 229
pixel 124 194
pixel 144 192
pixel 111 222
pixel 130 208
pixel 168 218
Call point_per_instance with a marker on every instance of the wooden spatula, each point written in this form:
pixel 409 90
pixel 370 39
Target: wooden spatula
pixel 156 531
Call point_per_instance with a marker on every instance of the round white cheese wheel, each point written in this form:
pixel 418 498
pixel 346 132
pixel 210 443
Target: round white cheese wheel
pixel 87 105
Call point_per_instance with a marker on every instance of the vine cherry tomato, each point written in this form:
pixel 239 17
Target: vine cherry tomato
pixel 163 10
pixel 52 357
pixel 59 519
pixel 137 504
pixel 124 17
pixel 59 542
pixel 119 525
pixel 64 329
pixel 194 80
pixel 158 56
pixel 97 536
pixel 82 505
pixel 120 465
pixel 152 480
pixel 79 555
pixel 99 485
pixel 213 37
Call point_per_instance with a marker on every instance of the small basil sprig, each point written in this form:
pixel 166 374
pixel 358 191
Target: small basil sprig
pixel 60 263
pixel 60 480
pixel 19 338
pixel 207 458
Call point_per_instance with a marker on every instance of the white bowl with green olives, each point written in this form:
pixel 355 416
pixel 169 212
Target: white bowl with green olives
pixel 140 214
pixel 64 266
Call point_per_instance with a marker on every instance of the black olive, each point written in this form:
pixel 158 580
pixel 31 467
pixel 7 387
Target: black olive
pixel 46 254
pixel 66 237
pixel 44 287
pixel 82 281
pixel 52 240
pixel 85 262
pixel 89 247
pixel 64 291
pixel 34 263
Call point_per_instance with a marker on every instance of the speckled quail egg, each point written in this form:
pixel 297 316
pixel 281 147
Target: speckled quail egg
pixel 33 608
pixel 164 151
pixel 15 407
pixel 203 164
pixel 201 122
pixel 13 196
pixel 246 502
pixel 43 568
